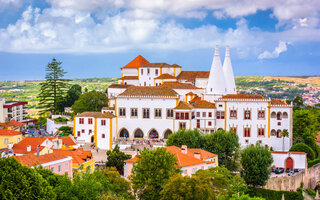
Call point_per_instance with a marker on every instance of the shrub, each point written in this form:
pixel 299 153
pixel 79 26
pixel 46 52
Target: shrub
pixel 301 147
pixel 60 119
pixel 273 194
pixel 313 162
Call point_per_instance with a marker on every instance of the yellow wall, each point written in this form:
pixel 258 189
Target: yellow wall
pixel 90 164
pixel 11 139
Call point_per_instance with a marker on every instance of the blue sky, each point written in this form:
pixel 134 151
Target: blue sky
pixel 95 38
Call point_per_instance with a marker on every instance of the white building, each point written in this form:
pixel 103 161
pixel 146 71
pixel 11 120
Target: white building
pixel 289 160
pixel 95 127
pixel 152 100
pixel 13 110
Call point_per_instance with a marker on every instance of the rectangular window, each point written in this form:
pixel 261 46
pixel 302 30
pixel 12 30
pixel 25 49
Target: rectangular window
pixel 169 113
pixel 177 115
pixel 122 112
pixel 261 132
pixel 186 115
pixel 59 168
pixel 90 131
pixel 233 114
pixel 66 167
pixel 198 123
pixel 157 72
pixel 247 114
pixel 81 120
pixel 209 123
pixel 103 122
pixel 157 113
pixel 182 125
pixel 222 114
pixel 78 133
pixel 6 140
pixel 203 114
pixel 52 169
pixel 210 114
pixel 198 114
pixel 182 115
pixel 90 121
pixel 146 113
pixel 134 112
pixel 148 71
pixel 247 132
pixel 261 114
pixel 218 115
pixel 141 71
pixel 82 131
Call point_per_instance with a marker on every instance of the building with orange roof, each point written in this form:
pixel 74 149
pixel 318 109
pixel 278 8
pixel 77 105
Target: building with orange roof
pixel 81 160
pixel 9 137
pixel 57 163
pixel 188 160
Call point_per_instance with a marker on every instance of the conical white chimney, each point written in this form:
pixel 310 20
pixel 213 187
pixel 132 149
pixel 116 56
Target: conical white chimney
pixel 228 73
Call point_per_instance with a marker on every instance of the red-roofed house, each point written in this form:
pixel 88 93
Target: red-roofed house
pixel 188 160
pixel 9 137
pixel 57 163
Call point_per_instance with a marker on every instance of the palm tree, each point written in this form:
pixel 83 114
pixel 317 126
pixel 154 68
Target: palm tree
pixel 284 134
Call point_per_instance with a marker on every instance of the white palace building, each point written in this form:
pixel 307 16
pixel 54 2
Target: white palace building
pixel 153 100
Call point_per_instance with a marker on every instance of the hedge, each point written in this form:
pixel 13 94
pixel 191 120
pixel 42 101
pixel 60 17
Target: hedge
pixel 301 147
pixel 313 162
pixel 273 194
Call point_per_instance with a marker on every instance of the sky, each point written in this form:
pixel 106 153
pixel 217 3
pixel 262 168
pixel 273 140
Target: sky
pixel 95 38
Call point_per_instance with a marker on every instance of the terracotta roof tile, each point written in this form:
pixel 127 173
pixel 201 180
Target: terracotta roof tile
pixel 165 76
pixel 148 91
pixel 9 132
pixel 79 156
pixel 96 115
pixel 243 96
pixel 190 93
pixel 195 99
pixel 65 140
pixel 204 104
pixel 178 85
pixel 156 65
pixel 119 86
pixel 21 147
pixel 183 106
pixel 129 78
pixel 137 62
pixel 192 75
pixel 285 152
pixel 31 160
pixel 108 108
pixel 203 154
pixel 15 123
pixel 278 102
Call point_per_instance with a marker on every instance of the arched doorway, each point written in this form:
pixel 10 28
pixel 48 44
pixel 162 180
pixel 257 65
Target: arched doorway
pixel 153 134
pixel 124 133
pixel 138 133
pixel 92 139
pixel 167 133
pixel 289 163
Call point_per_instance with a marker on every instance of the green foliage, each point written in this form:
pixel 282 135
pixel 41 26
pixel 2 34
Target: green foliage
pixel 191 138
pixel 188 188
pixel 273 194
pixel 53 87
pixel 42 121
pixel 66 130
pixel 61 119
pixel 313 162
pixel 256 162
pixel 90 101
pixel 116 158
pixel 226 145
pixel 311 192
pixel 20 182
pixel 244 197
pixel 301 147
pixel 72 95
pixel 305 124
pixel 151 172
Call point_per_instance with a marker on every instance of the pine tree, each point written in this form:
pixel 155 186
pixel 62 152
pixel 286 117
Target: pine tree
pixel 53 88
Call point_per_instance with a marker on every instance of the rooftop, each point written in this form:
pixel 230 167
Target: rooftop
pixel 21 147
pixel 243 96
pixel 119 86
pixel 183 106
pixel 157 65
pixel 31 160
pixel 192 75
pixel 8 132
pixel 137 62
pixel 96 115
pixel 165 76
pixel 178 85
pixel 129 78
pixel 278 102
pixel 79 156
pixel 204 104
pixel 146 91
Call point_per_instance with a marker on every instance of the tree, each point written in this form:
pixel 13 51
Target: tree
pixel 90 101
pixel 188 188
pixel 191 138
pixel 301 147
pixel 116 158
pixel 284 134
pixel 256 162
pixel 66 130
pixel 72 95
pixel 305 124
pixel 21 182
pixel 151 172
pixel 53 87
pixel 226 145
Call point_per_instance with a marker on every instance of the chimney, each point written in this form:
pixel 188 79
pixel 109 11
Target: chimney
pixel 197 155
pixel 38 150
pixel 184 149
pixel 28 148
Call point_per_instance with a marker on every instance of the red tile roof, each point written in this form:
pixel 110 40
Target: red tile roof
pixel 278 102
pixel 165 76
pixel 119 86
pixel 285 152
pixel 21 147
pixel 139 91
pixel 16 123
pixel 129 78
pixel 67 141
pixel 192 75
pixel 178 85
pixel 137 62
pixel 204 104
pixel 79 156
pixel 195 99
pixel 243 96
pixel 157 65
pixel 183 106
pixel 96 115
pixel 9 132
pixel 31 160
pixel 190 93
pixel 203 154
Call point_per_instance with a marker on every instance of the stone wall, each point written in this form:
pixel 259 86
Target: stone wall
pixel 310 177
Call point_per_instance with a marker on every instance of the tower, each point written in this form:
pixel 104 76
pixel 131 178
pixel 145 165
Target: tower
pixel 216 83
pixel 228 73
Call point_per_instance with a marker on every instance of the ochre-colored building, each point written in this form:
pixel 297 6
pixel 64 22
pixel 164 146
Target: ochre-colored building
pixel 8 137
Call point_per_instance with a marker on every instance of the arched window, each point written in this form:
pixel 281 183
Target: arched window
pixel 138 133
pixel 285 115
pixel 279 116
pixel 273 132
pixel 273 115
pixel 124 133
pixel 153 134
pixel 279 133
pixel 167 133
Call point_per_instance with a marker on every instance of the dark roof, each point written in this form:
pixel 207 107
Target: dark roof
pixel 148 91
pixel 119 86
pixel 96 115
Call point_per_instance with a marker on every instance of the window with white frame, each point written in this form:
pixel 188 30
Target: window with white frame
pixel 146 113
pixel 157 113
pixel 134 112
pixel 169 113
pixel 122 112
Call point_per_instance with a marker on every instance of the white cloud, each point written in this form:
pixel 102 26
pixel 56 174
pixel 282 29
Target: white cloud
pixel 10 4
pixel 282 47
